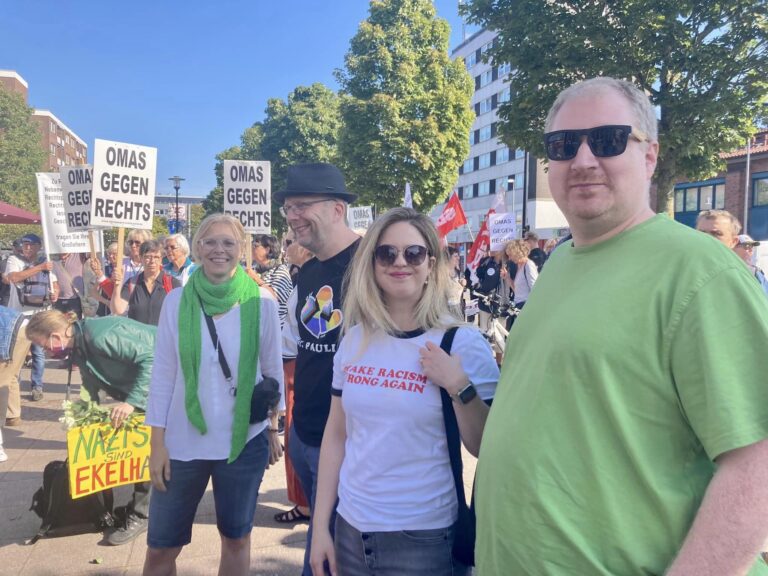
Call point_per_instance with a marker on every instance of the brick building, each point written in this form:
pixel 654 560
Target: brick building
pixel 727 189
pixel 63 147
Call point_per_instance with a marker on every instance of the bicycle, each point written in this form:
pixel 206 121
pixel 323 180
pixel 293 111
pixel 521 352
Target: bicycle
pixel 496 333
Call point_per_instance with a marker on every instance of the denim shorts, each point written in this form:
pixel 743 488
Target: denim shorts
pixel 235 490
pixel 398 553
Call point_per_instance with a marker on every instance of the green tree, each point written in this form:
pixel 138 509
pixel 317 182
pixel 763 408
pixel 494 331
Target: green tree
pixel 21 153
pixel 214 202
pixel 405 107
pixel 702 62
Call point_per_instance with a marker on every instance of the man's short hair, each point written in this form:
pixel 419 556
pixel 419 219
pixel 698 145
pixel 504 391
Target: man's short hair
pixel 642 108
pixel 531 236
pixel 724 214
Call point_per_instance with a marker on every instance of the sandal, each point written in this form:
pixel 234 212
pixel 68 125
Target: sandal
pixel 292 515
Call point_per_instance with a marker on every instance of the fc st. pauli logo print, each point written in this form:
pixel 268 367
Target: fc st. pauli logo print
pixel 318 314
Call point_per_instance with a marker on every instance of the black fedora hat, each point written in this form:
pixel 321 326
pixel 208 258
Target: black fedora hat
pixel 310 179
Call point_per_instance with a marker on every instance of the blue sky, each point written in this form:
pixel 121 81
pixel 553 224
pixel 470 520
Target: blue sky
pixel 186 77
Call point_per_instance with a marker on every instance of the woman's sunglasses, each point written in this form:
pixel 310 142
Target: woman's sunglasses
pixel 386 254
pixel 603 141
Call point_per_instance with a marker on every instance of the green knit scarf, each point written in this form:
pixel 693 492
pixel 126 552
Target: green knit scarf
pixel 218 299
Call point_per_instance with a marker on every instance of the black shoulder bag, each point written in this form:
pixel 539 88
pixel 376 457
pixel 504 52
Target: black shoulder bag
pixel 464 529
pixel 266 394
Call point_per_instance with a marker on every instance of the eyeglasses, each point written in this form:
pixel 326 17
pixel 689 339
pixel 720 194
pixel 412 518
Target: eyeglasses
pixel 386 254
pixel 299 207
pixel 603 141
pixel 212 243
pixel 150 257
pixel 171 248
pixel 134 242
pixel 747 246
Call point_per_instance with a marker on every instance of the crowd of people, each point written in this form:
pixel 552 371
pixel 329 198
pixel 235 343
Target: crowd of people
pixel 625 432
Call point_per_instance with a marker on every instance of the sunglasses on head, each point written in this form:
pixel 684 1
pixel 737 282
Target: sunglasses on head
pixel 603 141
pixel 386 254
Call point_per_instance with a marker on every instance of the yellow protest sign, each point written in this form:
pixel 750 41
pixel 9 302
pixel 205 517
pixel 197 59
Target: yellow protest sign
pixel 101 457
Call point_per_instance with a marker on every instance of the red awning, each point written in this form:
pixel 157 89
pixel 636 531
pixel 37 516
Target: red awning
pixel 12 215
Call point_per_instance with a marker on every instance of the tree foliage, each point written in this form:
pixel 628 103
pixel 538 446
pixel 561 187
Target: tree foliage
pixel 405 106
pixel 21 153
pixel 703 63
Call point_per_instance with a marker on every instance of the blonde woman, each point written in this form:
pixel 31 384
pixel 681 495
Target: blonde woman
pixel 527 273
pixel 384 453
pixel 200 401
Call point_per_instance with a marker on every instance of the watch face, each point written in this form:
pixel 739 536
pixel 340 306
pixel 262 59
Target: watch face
pixel 467 394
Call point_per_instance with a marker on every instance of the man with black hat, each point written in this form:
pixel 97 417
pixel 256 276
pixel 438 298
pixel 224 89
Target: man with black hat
pixel 314 203
pixel 745 249
pixel 35 288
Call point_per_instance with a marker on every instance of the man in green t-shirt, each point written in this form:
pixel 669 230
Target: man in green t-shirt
pixel 628 432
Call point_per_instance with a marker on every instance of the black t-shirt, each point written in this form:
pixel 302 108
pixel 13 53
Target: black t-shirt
pixel 143 306
pixel 319 318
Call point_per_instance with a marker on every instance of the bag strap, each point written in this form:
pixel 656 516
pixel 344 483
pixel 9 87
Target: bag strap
pixel 452 427
pixel 215 339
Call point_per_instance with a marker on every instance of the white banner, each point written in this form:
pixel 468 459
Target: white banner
pixel 248 194
pixel 123 185
pixel 360 217
pixel 77 188
pixel 56 238
pixel 502 228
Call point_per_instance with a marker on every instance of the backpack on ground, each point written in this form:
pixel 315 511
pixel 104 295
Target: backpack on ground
pixel 63 516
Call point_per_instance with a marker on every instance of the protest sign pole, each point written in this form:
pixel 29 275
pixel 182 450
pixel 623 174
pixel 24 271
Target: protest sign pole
pixel 92 244
pixel 248 251
pixel 120 242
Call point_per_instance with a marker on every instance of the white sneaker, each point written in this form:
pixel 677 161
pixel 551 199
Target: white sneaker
pixel 3 455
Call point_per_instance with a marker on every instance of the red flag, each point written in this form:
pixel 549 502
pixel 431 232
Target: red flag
pixel 482 243
pixel 452 216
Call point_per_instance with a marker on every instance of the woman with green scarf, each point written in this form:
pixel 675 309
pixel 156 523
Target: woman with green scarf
pixel 200 401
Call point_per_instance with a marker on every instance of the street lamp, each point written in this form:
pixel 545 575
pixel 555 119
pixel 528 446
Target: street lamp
pixel 177 180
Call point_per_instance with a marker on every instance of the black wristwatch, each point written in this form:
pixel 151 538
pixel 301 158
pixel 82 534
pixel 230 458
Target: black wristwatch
pixel 465 395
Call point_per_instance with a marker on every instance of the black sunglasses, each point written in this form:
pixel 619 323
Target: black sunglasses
pixel 603 141
pixel 386 254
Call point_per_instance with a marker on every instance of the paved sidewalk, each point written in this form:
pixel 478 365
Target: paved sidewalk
pixel 276 550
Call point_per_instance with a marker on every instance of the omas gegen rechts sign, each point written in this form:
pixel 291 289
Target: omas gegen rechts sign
pixel 123 185
pixel 248 194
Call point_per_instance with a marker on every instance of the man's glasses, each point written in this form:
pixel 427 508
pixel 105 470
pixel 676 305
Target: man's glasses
pixel 299 207
pixel 386 254
pixel 228 244
pixel 603 141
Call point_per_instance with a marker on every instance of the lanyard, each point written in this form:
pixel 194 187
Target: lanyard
pixel 216 344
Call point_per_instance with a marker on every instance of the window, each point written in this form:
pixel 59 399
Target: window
pixel 468 165
pixel 692 200
pixel 519 179
pixel 485 161
pixel 486 105
pixel 53 149
pixel 679 195
pixel 471 60
pixel 720 196
pixel 484 188
pixel 52 127
pixel 705 198
pixel 519 154
pixel 484 79
pixel 504 69
pixel 485 134
pixel 504 95
pixel 760 191
pixel 502 155
pixel 486 47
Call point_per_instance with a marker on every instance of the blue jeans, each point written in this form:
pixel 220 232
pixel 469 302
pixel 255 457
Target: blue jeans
pixel 38 365
pixel 306 461
pixel 397 553
pixel 235 491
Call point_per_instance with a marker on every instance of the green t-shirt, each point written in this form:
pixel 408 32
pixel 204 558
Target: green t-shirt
pixel 634 364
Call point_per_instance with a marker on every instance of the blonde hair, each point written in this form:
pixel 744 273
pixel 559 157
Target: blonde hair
pixel 205 225
pixel 517 250
pixel 136 234
pixel 45 323
pixel 720 215
pixel 363 301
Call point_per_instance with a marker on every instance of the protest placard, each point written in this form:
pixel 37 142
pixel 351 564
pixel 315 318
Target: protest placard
pixel 77 187
pixel 101 457
pixel 502 228
pixel 56 236
pixel 360 217
pixel 123 185
pixel 248 194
